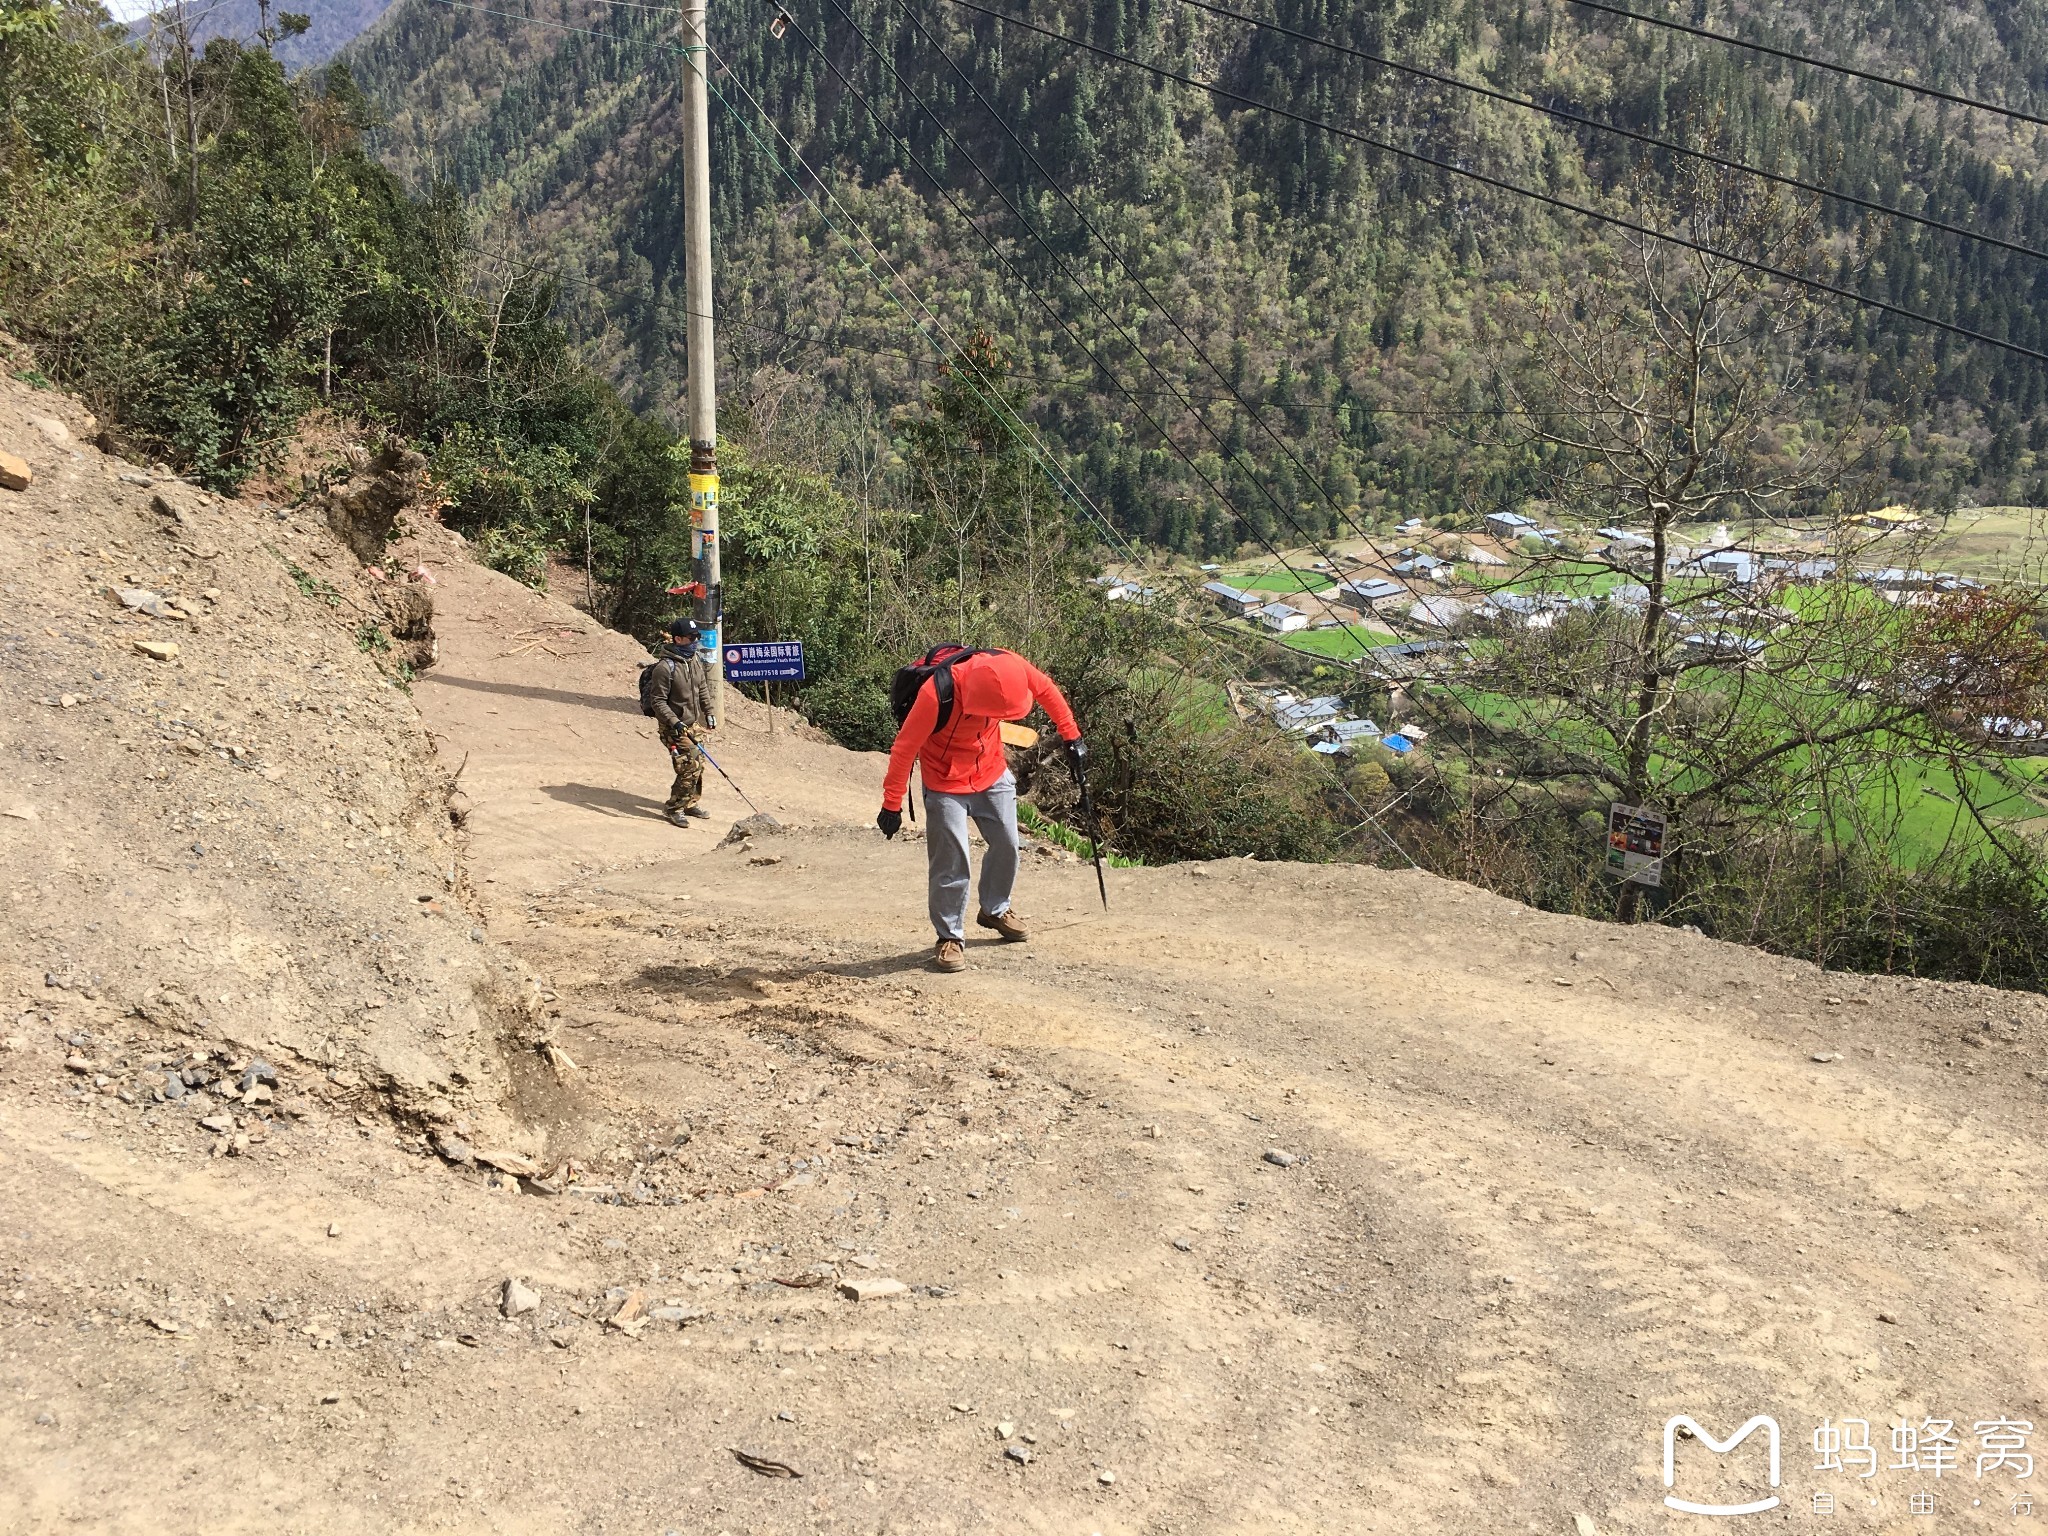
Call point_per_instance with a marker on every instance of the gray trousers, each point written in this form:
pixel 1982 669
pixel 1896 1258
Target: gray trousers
pixel 994 811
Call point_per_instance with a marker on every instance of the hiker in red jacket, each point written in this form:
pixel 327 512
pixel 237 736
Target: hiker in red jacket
pixel 950 706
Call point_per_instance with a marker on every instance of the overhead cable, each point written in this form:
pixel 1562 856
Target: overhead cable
pixel 1152 299
pixel 1566 115
pixel 1501 184
pixel 1800 58
pixel 1053 312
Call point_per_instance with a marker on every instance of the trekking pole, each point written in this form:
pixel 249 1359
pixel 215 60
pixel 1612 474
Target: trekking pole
pixel 1094 834
pixel 725 776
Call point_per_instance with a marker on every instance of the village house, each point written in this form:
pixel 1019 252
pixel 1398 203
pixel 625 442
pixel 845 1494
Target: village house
pixel 1280 618
pixel 1237 604
pixel 1438 612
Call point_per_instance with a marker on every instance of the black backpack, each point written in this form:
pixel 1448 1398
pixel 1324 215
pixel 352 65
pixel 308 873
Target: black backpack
pixel 936 664
pixel 653 684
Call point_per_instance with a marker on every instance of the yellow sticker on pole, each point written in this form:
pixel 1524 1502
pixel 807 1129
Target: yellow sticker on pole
pixel 703 498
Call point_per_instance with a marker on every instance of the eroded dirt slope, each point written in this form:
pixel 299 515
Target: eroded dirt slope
pixel 1540 1184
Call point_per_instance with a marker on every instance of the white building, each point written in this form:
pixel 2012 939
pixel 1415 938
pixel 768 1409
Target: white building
pixel 1281 619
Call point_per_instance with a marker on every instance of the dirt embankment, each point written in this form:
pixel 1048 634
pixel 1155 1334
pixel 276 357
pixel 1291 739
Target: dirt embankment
pixel 1274 1199
pixel 222 828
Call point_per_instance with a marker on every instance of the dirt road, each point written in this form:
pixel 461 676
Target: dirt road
pixel 1275 1199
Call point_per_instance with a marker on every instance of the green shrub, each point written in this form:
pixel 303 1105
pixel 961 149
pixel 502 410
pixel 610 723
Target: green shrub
pixel 518 552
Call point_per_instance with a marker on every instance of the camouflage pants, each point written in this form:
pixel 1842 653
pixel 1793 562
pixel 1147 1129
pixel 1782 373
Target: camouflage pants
pixel 689 780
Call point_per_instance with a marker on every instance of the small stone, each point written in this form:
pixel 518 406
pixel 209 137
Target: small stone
pixel 220 1125
pixel 1280 1159
pixel 963 1407
pixel 518 1298
pixel 330 1398
pixel 334 1229
pixel 862 1288
pixel 158 650
pixel 763 860
pixel 1887 1317
pixel 258 1071
pixel 681 1317
pixel 78 1063
pixel 174 1086
pixel 15 475
pixel 51 428
pixel 562 1338
pixel 1582 1525
pixel 454 1148
pixel 1105 1478
pixel 1183 1245
pixel 786 1417
pixel 1021 1454
pixel 1005 1430
pixel 1825 1056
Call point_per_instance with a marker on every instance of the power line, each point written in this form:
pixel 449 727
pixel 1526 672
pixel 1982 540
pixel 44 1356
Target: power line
pixel 1046 304
pixel 837 343
pixel 1117 254
pixel 1500 184
pixel 1800 58
pixel 1073 276
pixel 1563 114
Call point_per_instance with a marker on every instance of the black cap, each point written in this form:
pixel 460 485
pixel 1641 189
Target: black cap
pixel 681 629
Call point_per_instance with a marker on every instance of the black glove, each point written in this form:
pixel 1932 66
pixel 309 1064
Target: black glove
pixel 891 822
pixel 1077 754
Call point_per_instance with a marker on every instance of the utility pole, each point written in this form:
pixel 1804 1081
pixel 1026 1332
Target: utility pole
pixel 697 319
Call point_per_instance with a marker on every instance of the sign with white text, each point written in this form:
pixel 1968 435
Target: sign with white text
pixel 773 661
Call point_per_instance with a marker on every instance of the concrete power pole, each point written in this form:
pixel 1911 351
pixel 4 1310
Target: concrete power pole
pixel 710 609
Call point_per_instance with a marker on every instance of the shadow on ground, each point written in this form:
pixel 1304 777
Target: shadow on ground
pixel 606 802
pixel 620 705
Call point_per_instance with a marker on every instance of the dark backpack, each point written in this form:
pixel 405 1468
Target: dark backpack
pixel 936 664
pixel 653 684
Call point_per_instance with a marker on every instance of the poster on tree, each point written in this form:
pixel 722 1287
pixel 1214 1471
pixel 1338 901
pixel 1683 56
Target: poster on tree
pixel 1635 843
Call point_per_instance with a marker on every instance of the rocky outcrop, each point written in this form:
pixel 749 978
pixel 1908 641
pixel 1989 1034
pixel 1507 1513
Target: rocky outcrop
pixel 409 615
pixel 362 508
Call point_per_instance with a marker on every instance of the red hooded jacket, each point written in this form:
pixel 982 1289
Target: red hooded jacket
pixel 966 756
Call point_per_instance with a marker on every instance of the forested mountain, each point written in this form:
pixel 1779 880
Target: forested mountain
pixel 1340 289
pixel 331 25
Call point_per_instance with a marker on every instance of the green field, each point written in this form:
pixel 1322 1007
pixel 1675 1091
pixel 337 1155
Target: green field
pixel 1916 807
pixel 1346 643
pixel 1280 581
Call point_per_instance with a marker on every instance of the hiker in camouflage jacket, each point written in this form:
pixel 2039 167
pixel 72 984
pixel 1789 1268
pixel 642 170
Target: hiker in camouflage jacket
pixel 682 707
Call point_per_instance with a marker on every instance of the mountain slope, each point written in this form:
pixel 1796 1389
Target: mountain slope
pixel 1338 288
pixel 335 24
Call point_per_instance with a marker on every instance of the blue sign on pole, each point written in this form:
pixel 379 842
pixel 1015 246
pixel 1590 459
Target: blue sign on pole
pixel 771 661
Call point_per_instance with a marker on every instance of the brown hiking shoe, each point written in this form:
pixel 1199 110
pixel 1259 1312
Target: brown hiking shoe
pixel 1006 924
pixel 951 955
